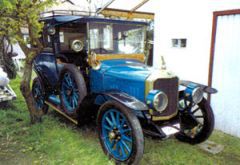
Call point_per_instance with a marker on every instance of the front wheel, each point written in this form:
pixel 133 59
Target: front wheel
pixel 120 133
pixel 197 122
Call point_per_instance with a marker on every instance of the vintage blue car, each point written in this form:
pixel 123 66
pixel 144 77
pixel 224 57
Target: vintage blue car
pixel 95 67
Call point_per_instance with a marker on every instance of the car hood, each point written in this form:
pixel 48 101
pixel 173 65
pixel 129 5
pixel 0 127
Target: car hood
pixel 128 76
pixel 125 69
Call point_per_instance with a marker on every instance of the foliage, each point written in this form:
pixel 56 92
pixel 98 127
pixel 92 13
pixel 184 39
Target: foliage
pixel 58 141
pixel 14 15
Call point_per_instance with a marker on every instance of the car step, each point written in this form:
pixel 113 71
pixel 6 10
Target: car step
pixel 162 131
pixel 54 103
pixel 171 129
pixel 167 130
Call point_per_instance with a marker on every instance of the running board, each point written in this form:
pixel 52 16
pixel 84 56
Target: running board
pixel 56 108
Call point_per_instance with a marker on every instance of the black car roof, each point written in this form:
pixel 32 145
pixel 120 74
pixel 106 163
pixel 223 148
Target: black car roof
pixel 62 19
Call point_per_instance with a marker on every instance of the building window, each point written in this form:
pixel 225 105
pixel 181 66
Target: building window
pixel 179 43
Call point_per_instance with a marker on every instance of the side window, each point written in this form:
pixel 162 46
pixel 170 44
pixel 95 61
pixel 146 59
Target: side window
pixel 131 40
pixel 108 37
pixel 46 40
pixel 101 37
pixel 94 38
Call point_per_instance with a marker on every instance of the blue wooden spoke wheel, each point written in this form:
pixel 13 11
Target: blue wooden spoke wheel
pixel 196 121
pixel 70 92
pixel 72 89
pixel 120 133
pixel 38 93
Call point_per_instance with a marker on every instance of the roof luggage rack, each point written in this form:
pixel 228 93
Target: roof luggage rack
pixel 54 13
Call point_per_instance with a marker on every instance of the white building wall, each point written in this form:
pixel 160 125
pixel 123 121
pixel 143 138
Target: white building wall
pixel 191 20
pixel 226 69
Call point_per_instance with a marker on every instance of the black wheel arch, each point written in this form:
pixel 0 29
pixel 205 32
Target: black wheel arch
pixel 123 98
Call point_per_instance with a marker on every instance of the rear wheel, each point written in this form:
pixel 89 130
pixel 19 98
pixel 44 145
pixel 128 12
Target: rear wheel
pixel 38 93
pixel 197 122
pixel 120 133
pixel 72 89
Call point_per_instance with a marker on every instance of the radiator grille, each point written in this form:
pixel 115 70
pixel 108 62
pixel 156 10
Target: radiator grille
pixel 170 87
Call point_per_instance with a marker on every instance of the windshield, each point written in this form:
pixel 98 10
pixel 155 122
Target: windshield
pixel 116 38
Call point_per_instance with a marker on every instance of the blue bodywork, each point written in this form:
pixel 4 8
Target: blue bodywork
pixel 123 75
pixel 46 68
pixel 45 65
pixel 150 98
pixel 119 79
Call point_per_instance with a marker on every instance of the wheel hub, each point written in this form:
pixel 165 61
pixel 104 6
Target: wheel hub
pixel 194 131
pixel 112 135
pixel 69 92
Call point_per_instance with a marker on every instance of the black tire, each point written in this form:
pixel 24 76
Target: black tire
pixel 207 128
pixel 37 81
pixel 137 133
pixel 78 79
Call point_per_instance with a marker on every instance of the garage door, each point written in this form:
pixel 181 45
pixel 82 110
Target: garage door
pixel 226 74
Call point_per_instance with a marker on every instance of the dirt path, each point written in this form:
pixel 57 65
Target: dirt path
pixel 12 154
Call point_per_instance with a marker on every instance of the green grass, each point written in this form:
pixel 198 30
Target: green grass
pixel 58 141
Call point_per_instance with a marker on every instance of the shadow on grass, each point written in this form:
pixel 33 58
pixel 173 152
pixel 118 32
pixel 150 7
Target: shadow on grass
pixel 89 128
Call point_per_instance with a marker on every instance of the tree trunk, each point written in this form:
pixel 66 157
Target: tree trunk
pixel 35 115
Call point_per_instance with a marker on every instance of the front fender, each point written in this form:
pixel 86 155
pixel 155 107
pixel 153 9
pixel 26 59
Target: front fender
pixel 123 98
pixel 205 88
